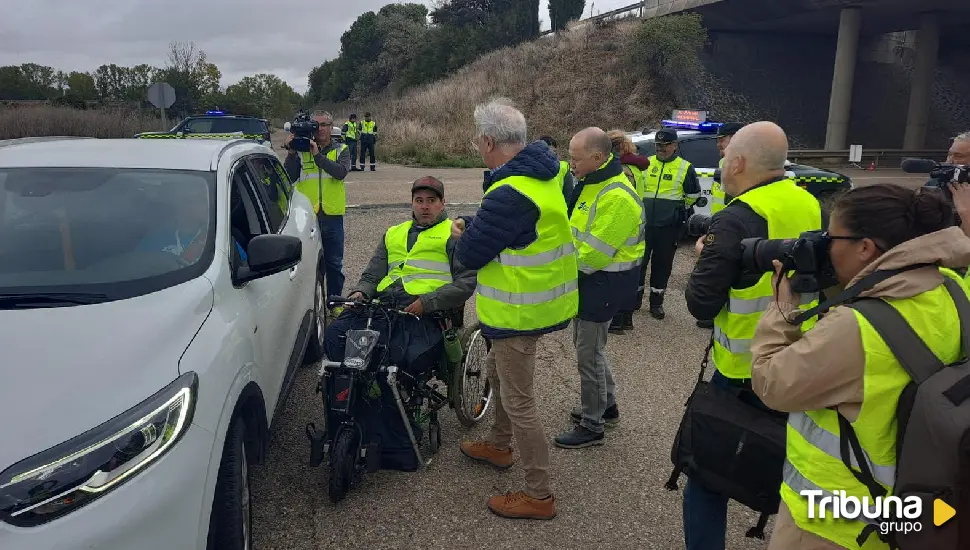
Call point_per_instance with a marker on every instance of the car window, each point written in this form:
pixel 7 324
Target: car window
pixel 702 153
pixel 284 177
pixel 273 193
pixel 198 126
pixel 120 232
pixel 647 148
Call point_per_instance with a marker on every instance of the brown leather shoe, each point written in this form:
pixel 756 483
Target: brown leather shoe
pixel 484 451
pixel 519 505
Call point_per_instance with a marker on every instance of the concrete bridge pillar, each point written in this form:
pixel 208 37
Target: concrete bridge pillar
pixel 840 102
pixel 927 50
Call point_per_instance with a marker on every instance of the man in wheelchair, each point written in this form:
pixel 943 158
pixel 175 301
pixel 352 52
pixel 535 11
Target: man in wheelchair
pixel 414 269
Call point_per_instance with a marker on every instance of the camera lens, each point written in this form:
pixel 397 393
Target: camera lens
pixel 698 224
pixel 757 254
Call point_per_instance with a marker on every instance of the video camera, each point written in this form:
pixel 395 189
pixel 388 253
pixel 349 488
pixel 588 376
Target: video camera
pixel 941 172
pixel 304 129
pixel 807 256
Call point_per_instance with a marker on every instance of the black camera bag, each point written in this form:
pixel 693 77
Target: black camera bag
pixel 731 447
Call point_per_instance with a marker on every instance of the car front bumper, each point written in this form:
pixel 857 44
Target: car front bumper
pixel 158 509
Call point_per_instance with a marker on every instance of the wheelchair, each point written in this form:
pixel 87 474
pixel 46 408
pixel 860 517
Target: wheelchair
pixel 352 387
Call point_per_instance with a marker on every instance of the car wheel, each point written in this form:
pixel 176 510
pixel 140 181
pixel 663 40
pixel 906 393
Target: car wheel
pixel 314 348
pixel 230 525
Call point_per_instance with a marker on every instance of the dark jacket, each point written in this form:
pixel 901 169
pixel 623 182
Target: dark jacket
pixel 507 219
pixel 603 293
pixel 450 296
pixel 719 269
pixel 661 212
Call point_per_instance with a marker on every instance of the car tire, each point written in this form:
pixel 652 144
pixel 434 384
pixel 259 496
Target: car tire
pixel 314 347
pixel 230 525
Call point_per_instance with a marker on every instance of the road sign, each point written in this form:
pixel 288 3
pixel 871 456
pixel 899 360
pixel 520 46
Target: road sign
pixel 161 95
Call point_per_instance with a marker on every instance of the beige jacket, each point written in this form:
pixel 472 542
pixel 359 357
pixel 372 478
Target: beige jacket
pixel 795 372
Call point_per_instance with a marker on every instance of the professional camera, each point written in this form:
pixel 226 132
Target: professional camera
pixel 807 256
pixel 942 173
pixel 698 224
pixel 303 129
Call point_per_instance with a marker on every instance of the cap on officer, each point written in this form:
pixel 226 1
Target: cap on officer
pixel 430 183
pixel 665 135
pixel 729 129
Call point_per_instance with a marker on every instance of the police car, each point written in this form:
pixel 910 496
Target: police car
pixel 697 142
pixel 216 124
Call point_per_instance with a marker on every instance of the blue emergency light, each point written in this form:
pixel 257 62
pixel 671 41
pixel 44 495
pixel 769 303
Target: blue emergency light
pixel 215 113
pixel 708 127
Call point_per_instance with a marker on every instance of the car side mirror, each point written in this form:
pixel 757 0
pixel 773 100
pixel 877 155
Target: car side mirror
pixel 268 255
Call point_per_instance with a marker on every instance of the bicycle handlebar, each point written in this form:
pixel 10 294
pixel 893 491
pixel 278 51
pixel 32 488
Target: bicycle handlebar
pixel 372 303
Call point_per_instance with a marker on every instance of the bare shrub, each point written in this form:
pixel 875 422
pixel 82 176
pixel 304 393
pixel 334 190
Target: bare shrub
pixel 45 120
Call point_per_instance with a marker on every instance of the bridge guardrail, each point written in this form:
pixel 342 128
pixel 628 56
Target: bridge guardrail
pixel 889 157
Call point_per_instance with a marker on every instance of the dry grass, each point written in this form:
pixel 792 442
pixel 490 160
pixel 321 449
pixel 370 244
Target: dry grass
pixel 562 83
pixel 45 120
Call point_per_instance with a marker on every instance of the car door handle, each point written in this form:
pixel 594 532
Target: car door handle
pixel 293 272
pixel 313 232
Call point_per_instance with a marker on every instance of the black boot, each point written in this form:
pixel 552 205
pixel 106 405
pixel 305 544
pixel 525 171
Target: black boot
pixel 628 320
pixel 657 305
pixel 705 324
pixel 616 325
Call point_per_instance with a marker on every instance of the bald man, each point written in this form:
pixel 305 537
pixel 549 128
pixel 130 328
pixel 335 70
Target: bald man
pixel 767 205
pixel 607 219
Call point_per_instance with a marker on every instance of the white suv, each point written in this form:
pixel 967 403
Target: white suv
pixel 156 299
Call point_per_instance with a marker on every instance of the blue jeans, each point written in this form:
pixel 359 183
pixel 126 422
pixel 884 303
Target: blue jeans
pixel 332 235
pixel 705 512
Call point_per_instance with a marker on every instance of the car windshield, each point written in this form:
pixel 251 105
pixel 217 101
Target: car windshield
pixel 114 232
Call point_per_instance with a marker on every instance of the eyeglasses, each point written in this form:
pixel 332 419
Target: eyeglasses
pixel 829 237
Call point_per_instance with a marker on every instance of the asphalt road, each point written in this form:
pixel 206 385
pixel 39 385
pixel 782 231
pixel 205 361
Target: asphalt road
pixel 611 496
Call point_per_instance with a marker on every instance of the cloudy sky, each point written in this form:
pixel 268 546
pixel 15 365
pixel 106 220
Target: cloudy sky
pixel 242 37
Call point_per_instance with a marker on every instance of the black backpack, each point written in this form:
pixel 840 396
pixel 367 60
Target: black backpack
pixel 933 436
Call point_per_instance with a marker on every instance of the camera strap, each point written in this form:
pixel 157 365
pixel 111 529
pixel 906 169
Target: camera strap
pixel 851 293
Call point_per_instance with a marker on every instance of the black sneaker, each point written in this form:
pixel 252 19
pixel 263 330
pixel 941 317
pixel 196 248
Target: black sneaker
pixel 628 321
pixel 616 325
pixel 579 437
pixel 611 416
pixel 657 312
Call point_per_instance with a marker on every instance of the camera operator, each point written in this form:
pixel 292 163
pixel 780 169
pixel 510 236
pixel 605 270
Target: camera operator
pixel 960 154
pixel 319 175
pixel 843 366
pixel 766 205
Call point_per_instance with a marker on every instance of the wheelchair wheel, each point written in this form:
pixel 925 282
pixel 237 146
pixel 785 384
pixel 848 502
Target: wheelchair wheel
pixel 343 461
pixel 471 383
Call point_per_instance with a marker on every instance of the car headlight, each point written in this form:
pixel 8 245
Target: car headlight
pixel 63 478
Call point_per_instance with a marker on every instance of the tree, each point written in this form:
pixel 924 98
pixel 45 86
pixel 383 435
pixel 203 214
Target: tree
pixel 561 12
pixel 192 76
pixel 82 86
pixel 268 94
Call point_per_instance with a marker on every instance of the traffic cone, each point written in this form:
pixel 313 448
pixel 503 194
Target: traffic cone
pixel 872 166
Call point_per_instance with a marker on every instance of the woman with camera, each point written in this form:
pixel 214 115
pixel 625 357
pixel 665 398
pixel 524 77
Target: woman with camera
pixel 842 366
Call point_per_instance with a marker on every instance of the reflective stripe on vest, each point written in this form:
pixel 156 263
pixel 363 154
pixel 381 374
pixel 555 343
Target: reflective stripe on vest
pixel 535 287
pixel 622 256
pixel 352 130
pixel 367 128
pixel 325 193
pixel 426 266
pixel 789 211
pixel 813 450
pixel 656 184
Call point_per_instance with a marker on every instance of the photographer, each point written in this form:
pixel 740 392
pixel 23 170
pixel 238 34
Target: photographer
pixel 960 154
pixel 843 366
pixel 319 174
pixel 766 205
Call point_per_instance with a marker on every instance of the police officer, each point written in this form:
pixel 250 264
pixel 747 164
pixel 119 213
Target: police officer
pixel 319 174
pixel 368 137
pixel 767 204
pixel 718 198
pixel 351 133
pixel 670 179
pixel 606 215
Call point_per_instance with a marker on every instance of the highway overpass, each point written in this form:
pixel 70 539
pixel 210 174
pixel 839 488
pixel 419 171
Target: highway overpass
pixel 847 21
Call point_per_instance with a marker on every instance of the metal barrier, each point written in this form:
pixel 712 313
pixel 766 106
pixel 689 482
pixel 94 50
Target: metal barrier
pixel 872 155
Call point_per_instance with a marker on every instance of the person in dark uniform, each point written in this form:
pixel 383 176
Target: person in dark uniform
pixel 669 180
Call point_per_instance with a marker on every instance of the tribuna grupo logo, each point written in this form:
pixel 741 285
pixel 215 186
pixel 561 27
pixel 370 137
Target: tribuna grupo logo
pixel 892 514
